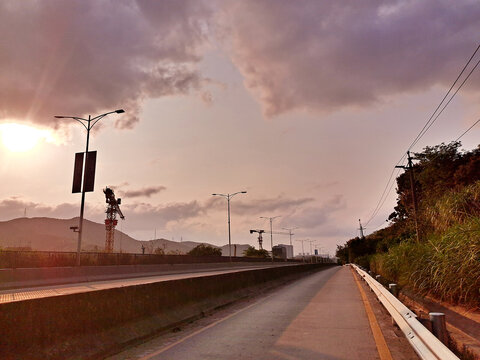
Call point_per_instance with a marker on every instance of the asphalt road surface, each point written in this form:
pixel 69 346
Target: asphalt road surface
pixel 321 316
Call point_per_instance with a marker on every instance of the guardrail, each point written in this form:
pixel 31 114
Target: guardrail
pixel 425 344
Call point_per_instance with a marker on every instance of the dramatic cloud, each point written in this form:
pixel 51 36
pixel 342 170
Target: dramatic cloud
pixel 143 215
pixel 255 206
pixel 268 206
pixel 85 57
pixel 314 216
pixel 146 191
pixel 16 207
pixel 325 55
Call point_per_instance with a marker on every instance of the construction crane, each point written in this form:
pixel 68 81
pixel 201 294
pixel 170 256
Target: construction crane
pixel 260 232
pixel 111 221
pixel 260 239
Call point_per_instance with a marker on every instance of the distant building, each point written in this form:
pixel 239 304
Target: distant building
pixel 282 251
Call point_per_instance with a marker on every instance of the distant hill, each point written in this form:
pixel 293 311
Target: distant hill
pixel 42 233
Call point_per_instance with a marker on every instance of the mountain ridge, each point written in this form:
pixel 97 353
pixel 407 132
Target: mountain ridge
pixel 52 234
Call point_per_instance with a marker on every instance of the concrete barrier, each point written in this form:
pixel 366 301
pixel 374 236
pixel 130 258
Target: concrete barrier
pixel 34 326
pixel 29 277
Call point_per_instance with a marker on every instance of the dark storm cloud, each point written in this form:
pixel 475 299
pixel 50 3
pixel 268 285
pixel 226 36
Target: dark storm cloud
pixel 81 57
pixel 326 55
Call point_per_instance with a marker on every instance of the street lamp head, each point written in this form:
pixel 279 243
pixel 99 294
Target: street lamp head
pixel 214 194
pixel 243 192
pixel 120 111
pixel 60 117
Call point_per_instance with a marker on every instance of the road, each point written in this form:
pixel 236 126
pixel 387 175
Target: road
pixel 13 295
pixel 321 316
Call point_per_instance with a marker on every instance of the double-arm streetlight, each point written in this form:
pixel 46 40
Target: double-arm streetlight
pixel 271 229
pixel 228 197
pixel 291 233
pixel 88 124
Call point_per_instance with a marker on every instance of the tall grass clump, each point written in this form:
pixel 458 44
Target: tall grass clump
pixel 454 208
pixel 446 264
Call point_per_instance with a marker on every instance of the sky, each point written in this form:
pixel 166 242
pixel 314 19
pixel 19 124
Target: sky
pixel 306 105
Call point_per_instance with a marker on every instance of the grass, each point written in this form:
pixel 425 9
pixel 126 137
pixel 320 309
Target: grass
pixel 447 264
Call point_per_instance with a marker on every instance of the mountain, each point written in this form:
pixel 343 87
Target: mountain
pixel 48 234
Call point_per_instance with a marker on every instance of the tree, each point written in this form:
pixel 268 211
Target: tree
pixel 205 250
pixel 159 251
pixel 252 252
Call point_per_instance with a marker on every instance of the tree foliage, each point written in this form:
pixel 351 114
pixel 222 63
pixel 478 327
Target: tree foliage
pixel 205 250
pixel 252 252
pixel 437 170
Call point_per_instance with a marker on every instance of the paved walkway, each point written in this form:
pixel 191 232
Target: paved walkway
pixel 321 316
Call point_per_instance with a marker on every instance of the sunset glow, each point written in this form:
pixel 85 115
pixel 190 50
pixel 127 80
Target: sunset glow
pixel 21 138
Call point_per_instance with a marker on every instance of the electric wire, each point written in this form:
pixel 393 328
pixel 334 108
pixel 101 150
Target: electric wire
pixel 429 123
pixel 385 193
pixel 448 102
pixel 425 128
pixel 470 128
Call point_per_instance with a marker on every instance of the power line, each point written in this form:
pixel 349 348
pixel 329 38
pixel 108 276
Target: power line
pixel 429 123
pixel 383 198
pixel 470 128
pixel 425 128
pixel 448 102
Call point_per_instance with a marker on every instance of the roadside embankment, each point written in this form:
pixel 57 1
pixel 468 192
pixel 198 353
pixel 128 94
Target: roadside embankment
pixel 85 325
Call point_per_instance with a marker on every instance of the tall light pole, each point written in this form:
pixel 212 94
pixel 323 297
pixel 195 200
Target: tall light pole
pixel 88 124
pixel 303 251
pixel 271 229
pixel 290 232
pixel 228 197
pixel 311 251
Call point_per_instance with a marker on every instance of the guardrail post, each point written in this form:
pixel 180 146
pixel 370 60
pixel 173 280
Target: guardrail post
pixel 393 289
pixel 439 328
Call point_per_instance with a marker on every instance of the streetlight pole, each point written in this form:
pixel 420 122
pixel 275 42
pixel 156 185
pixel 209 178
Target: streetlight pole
pixel 311 251
pixel 271 229
pixel 228 197
pixel 88 124
pixel 303 251
pixel 290 232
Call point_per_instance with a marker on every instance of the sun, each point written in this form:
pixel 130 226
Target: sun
pixel 21 138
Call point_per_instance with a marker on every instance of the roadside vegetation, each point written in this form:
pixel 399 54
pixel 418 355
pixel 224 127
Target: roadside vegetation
pixel 205 250
pixel 254 253
pixel 445 262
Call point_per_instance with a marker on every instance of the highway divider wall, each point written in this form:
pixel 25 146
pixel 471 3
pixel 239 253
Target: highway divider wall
pixel 31 326
pixel 27 277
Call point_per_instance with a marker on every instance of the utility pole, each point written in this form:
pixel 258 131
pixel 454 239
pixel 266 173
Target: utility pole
pixel 361 230
pixel 311 251
pixel 412 188
pixel 85 183
pixel 303 251
pixel 271 230
pixel 228 197
pixel 290 233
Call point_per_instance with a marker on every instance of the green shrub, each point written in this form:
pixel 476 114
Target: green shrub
pixel 445 266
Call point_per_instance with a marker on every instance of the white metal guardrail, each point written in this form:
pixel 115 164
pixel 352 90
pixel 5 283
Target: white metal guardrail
pixel 426 345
